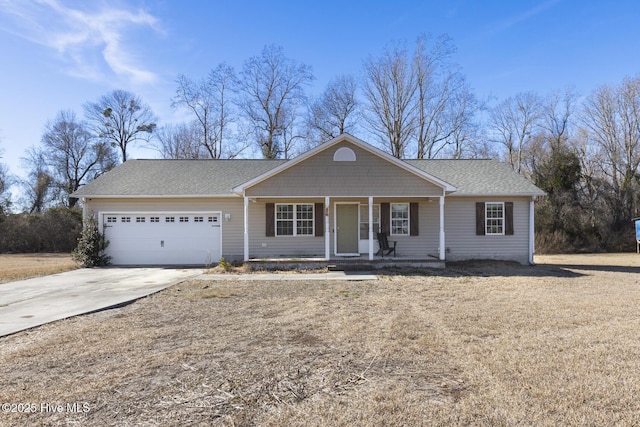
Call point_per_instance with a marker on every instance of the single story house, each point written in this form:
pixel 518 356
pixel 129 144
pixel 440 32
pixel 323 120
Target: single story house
pixel 326 204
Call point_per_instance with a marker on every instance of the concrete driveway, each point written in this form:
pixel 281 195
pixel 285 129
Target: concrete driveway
pixel 33 302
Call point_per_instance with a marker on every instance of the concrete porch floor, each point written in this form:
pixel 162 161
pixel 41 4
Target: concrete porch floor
pixel 347 263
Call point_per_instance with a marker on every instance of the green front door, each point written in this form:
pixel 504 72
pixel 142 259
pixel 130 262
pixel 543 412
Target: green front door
pixel 346 229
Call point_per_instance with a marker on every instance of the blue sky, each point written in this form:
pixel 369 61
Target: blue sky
pixel 59 54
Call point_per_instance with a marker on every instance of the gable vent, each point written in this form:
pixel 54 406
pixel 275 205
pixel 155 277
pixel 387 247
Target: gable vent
pixel 344 154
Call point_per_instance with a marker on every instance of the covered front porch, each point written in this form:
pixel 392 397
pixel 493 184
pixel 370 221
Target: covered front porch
pixel 339 231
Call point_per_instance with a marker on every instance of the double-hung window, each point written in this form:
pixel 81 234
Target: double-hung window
pixel 400 219
pixel 494 218
pixel 294 219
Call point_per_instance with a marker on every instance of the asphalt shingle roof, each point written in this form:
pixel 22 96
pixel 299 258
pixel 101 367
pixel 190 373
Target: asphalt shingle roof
pixel 176 177
pixel 218 177
pixel 479 177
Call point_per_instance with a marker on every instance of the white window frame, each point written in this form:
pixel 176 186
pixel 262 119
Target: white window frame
pixel 295 220
pixel 499 221
pixel 392 219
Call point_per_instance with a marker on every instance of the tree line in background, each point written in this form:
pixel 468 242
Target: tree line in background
pixel 583 150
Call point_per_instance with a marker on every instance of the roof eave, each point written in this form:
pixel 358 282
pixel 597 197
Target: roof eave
pixel 527 194
pixel 152 196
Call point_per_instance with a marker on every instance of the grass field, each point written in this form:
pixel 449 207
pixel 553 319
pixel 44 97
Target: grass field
pixel 24 266
pixel 476 344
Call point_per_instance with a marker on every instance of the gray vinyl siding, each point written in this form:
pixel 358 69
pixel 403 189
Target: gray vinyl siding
pixel 261 246
pixel 462 243
pixel 369 175
pixel 232 230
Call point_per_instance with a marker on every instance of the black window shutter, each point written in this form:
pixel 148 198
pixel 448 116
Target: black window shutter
pixel 270 225
pixel 413 219
pixel 480 228
pixel 319 219
pixel 385 218
pixel 508 218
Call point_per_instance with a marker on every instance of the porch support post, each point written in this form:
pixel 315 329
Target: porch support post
pixel 327 230
pixel 532 223
pixel 441 249
pixel 370 228
pixel 246 228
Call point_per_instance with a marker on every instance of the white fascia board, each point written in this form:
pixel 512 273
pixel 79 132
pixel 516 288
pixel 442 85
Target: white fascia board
pixel 154 196
pixel 496 194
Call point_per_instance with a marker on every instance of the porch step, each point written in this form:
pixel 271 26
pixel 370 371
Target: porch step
pixel 358 266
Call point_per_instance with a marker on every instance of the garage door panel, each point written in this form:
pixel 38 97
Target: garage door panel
pixel 155 238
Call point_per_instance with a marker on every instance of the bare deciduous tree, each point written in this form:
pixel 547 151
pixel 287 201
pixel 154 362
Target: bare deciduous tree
pixel 514 122
pixel 180 142
pixel 73 155
pixel 465 139
pixel 557 111
pixel 611 117
pixel 335 111
pixel 121 118
pixel 390 87
pixel 272 90
pixel 210 102
pixel 38 187
pixel 419 103
pixel 445 103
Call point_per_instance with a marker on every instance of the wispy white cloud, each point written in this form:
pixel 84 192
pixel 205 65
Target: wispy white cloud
pixel 92 42
pixel 517 19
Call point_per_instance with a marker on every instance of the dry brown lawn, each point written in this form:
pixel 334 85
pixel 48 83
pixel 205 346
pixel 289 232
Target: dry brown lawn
pixel 24 266
pixel 477 344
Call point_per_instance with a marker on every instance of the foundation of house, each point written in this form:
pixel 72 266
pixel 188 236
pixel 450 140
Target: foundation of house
pixel 344 263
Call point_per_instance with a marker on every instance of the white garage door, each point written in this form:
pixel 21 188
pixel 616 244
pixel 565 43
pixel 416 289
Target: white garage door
pixel 177 238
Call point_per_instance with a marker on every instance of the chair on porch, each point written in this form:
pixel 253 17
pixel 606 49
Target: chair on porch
pixel 383 242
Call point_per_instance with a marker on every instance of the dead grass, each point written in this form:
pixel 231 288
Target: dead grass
pixel 24 266
pixel 482 344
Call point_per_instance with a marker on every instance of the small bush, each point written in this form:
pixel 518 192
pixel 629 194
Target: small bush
pixel 225 265
pixel 91 246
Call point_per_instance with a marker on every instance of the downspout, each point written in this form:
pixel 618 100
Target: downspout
pixel 327 231
pixel 532 223
pixel 370 228
pixel 246 227
pixel 442 246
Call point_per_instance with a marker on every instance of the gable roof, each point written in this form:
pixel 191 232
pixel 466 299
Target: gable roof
pixel 446 186
pixel 175 178
pixel 224 178
pixel 479 177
